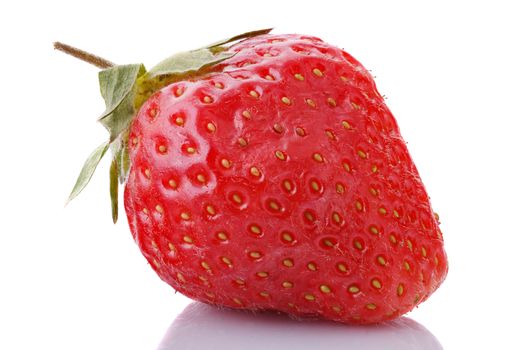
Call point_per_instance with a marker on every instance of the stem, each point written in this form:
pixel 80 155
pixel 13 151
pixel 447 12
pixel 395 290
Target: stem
pixel 83 55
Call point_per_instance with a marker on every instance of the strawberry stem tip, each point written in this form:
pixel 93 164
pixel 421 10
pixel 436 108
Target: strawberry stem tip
pixel 95 60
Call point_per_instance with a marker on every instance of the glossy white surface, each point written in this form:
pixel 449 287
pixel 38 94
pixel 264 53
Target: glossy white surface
pixel 452 72
pixel 201 326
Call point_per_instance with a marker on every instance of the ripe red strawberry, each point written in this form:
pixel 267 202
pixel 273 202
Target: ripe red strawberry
pixel 278 179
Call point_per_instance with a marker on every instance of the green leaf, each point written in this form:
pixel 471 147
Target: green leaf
pixel 113 188
pixel 240 37
pixel 88 169
pixel 189 62
pixel 116 83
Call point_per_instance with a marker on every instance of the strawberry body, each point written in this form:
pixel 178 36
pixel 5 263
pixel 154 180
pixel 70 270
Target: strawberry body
pixel 281 181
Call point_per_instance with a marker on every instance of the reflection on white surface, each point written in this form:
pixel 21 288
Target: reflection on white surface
pixel 202 327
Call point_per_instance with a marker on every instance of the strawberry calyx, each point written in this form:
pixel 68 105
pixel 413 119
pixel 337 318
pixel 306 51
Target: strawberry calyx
pixel 125 88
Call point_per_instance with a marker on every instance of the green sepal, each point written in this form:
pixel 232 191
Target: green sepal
pixel 239 37
pixel 117 85
pixel 188 63
pixel 113 188
pixel 88 169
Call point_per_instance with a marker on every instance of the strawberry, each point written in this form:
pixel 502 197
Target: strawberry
pixel 273 176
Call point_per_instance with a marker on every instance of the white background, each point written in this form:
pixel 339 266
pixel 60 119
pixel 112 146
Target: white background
pixel 453 75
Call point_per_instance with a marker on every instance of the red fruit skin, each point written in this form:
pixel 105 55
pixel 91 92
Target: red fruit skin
pixel 344 228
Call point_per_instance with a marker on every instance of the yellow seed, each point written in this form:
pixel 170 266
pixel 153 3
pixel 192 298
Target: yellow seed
pixel 201 178
pixel 226 260
pixel 317 72
pixel 145 210
pixel 353 289
pixel 134 140
pixel 436 260
pixel 337 309
pixel 310 102
pixel 317 157
pixel 343 78
pixel 330 135
pixel 262 274
pixel 179 121
pixel 219 85
pixel 209 295
pixel 205 265
pixel 381 260
pixel 222 236
pixel 159 208
pixel 331 102
pixel 346 166
pixel 409 244
pixel 162 149
pixel 287 237
pixel 382 211
pixel 300 131
pixel 355 106
pixel 286 100
pixel 406 265
pixel 361 154
pixel 190 150
pixel 358 245
pixel 287 284
pixel 255 229
pixel 298 76
pixel 373 191
pixel 171 246
pixel 254 94
pixel 278 128
pixel 240 282
pixel 187 239
pixel 309 297
pixel 376 283
pixel 324 288
pixel 147 172
pixel 288 262
pixel 309 216
pixel 393 239
pixel 342 267
pixel 226 163
pixel 211 127
pixel 255 172
pixel 246 114
pixel 396 214
pixel 255 255
pixel 242 142
pixel 423 252
pixel 400 289
pixel 179 91
pixel 339 188
pixel 269 77
pixel 374 168
pixel 312 266
pixel 210 209
pixel 314 185
pixel 358 205
pixel 154 245
pixel 180 277
pixel 373 229
pixel 287 185
pixel 371 306
pixel 328 243
pixel 346 125
pixel 264 294
pixel 274 205
pixel 207 99
pixel 236 198
pixel 185 216
pixel 336 217
pixel 237 301
pixel 172 183
pixel 280 155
